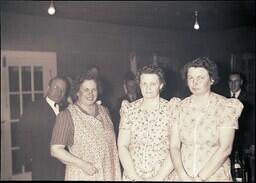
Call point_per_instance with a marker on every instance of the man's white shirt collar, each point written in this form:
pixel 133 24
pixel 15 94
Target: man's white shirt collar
pixel 236 94
pixel 51 103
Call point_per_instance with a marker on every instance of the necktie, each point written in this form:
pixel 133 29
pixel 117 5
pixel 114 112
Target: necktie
pixel 233 95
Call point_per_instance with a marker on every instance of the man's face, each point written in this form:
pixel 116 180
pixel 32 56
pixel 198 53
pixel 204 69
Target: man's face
pixel 131 87
pixel 235 82
pixel 57 90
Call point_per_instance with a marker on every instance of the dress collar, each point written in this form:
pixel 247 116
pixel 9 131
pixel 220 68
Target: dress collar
pixel 82 110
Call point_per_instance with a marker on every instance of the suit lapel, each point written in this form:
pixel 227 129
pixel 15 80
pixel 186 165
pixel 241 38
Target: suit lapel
pixel 48 108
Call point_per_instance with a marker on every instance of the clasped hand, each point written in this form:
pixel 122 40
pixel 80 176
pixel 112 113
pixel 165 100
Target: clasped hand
pixel 89 168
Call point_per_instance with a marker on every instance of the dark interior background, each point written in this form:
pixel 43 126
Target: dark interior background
pixel 105 33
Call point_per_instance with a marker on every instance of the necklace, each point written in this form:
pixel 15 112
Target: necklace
pixel 92 111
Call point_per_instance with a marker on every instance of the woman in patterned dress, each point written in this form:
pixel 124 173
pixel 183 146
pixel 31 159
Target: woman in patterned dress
pixel 203 127
pixel 143 141
pixel 86 129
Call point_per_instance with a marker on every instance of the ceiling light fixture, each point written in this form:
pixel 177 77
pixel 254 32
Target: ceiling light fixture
pixel 196 25
pixel 51 9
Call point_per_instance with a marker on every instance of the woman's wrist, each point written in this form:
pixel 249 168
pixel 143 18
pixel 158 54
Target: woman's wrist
pixel 82 163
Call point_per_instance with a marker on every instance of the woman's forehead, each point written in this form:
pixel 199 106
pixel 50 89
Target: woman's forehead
pixel 197 71
pixel 149 76
pixel 88 83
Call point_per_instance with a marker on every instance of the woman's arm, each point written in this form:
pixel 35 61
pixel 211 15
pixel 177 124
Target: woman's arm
pixel 124 154
pixel 175 145
pixel 226 138
pixel 59 152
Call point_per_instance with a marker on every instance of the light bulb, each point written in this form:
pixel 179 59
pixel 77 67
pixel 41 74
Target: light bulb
pixel 51 9
pixel 196 26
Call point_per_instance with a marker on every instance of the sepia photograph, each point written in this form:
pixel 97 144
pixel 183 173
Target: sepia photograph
pixel 128 90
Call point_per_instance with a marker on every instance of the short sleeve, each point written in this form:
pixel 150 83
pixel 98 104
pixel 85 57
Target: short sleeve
pixel 63 131
pixel 125 122
pixel 174 110
pixel 230 113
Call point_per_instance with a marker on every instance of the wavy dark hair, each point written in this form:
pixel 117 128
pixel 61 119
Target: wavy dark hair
pixel 76 84
pixel 203 62
pixel 151 69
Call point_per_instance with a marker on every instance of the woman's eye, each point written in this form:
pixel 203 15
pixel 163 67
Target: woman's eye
pixel 86 90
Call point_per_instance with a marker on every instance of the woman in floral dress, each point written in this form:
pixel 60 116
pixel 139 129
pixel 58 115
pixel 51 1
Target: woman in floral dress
pixel 87 130
pixel 203 127
pixel 143 141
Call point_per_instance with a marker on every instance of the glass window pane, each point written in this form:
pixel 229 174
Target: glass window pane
pixel 26 78
pixel 16 161
pixel 39 96
pixel 38 78
pixel 14 78
pixel 27 99
pixel 15 106
pixel 14 132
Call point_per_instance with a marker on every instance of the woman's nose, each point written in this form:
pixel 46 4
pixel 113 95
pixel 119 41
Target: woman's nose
pixel 90 93
pixel 195 82
pixel 148 87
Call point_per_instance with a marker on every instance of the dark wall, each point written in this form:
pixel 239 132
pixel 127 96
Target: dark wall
pixel 220 45
pixel 79 44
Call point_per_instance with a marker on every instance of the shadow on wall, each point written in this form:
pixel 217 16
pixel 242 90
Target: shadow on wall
pixel 224 70
pixel 175 86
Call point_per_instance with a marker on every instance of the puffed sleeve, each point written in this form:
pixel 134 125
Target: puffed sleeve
pixel 230 113
pixel 174 110
pixel 125 122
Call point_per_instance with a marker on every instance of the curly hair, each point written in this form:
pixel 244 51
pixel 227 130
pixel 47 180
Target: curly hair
pixel 203 62
pixel 151 69
pixel 76 84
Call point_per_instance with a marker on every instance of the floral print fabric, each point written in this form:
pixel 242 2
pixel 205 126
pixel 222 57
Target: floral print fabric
pixel 149 136
pixel 198 130
pixel 94 141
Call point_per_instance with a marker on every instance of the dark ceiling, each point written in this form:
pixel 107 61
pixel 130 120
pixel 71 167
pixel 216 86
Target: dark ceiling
pixel 171 15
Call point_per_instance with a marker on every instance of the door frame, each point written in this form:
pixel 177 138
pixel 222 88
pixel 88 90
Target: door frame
pixel 48 60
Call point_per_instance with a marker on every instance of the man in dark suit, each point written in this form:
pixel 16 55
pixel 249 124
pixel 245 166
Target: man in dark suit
pixel 245 135
pixel 37 123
